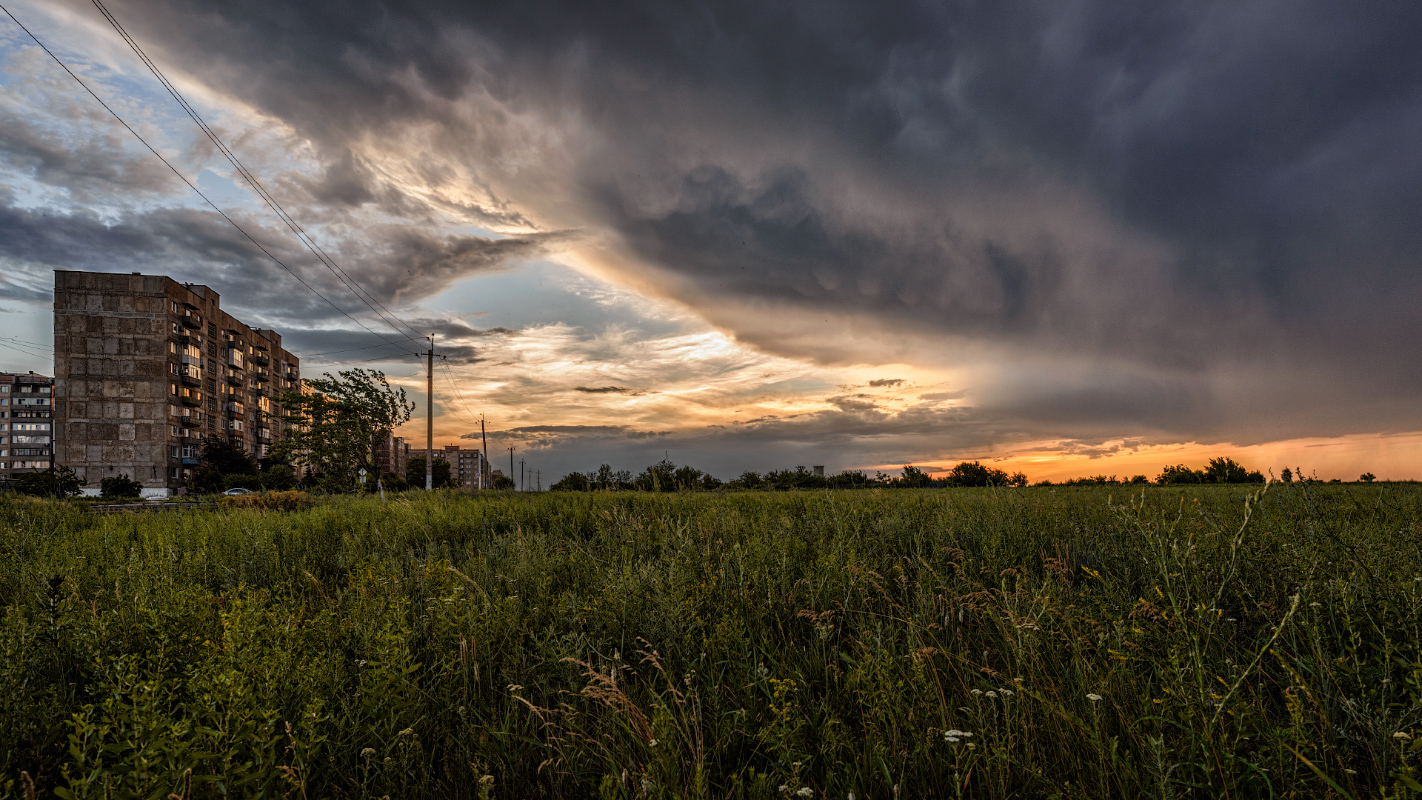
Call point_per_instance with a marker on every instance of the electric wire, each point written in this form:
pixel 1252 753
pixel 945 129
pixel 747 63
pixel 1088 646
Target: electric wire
pixel 344 277
pixel 449 378
pixel 26 352
pixel 26 343
pixel 181 176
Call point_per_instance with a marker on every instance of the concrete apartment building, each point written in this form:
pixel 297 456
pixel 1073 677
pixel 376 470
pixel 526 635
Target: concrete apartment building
pixel 26 423
pixel 146 366
pixel 466 467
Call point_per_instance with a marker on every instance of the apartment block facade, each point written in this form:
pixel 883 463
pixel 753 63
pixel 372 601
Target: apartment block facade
pixel 26 423
pixel 145 367
pixel 466 467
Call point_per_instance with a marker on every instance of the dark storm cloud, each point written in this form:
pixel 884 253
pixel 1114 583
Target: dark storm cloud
pixel 886 382
pixel 196 246
pixel 1153 191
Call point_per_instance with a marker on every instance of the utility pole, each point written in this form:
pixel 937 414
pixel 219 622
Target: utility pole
pixel 522 478
pixel 485 455
pixel 429 421
pixel 510 463
pixel 539 473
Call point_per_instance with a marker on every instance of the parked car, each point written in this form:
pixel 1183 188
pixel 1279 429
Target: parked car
pixel 237 492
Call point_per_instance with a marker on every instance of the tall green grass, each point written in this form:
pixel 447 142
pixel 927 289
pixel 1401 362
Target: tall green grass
pixel 1086 643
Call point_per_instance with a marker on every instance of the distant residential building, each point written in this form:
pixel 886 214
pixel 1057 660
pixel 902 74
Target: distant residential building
pixel 26 423
pixel 146 366
pixel 394 454
pixel 467 468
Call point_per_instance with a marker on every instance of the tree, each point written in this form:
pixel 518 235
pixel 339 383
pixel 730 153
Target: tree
pixel 1225 470
pixel 1367 477
pixel 572 482
pixel 221 459
pixel 1177 474
pixel 56 481
pixel 340 426
pixel 748 480
pixel 914 478
pixel 971 473
pixel 659 477
pixel 116 486
pixel 1287 476
pixel 279 477
pixel 415 472
pixel 504 482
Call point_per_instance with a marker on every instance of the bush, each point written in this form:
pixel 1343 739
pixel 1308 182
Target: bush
pixel 53 482
pixel 273 501
pixel 118 486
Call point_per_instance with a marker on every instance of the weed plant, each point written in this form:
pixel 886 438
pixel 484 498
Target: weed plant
pixel 1013 643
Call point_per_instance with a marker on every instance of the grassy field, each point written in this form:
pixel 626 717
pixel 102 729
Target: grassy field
pixel 1086 643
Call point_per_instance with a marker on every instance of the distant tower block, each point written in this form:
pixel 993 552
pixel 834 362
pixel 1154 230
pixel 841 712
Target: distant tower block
pixel 819 471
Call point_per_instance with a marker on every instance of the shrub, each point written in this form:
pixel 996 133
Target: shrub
pixel 116 486
pixel 273 501
pixel 54 482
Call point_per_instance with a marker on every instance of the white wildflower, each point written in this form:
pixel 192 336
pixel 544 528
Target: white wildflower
pixel 1006 692
pixel 652 743
pixel 977 692
pixel 370 751
pixel 992 695
pixel 1095 698
pixel 1401 735
pixel 806 792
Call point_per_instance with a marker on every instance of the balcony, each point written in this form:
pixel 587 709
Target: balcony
pixel 234 407
pixel 191 399
pixel 260 376
pixel 190 376
pixel 260 357
pixel 35 414
pixel 192 419
pixel 233 377
pixel 181 337
pixel 191 318
pixel 233 358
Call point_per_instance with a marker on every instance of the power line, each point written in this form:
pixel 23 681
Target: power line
pixel 354 349
pixel 449 378
pixel 19 349
pixel 182 177
pixel 17 340
pixel 344 277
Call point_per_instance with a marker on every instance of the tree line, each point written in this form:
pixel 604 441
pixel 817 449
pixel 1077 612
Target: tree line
pixel 335 431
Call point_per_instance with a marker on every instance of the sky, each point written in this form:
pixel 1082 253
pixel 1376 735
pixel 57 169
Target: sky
pixel 1067 237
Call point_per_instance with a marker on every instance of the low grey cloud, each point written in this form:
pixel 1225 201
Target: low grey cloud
pixel 886 382
pixel 604 390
